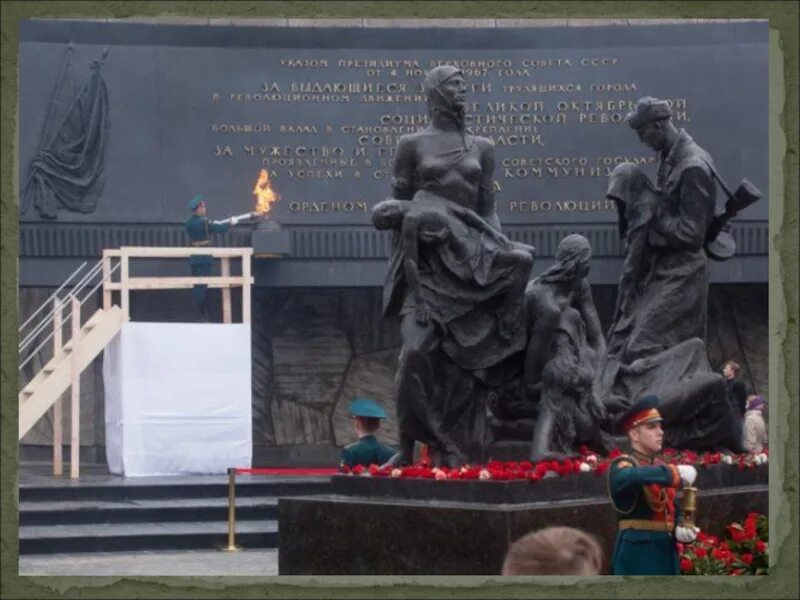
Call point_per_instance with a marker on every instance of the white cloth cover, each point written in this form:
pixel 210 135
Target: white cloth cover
pixel 178 398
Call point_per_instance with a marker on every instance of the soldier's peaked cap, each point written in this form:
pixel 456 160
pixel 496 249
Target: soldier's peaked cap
pixel 647 110
pixel 196 201
pixel 642 411
pixel 364 407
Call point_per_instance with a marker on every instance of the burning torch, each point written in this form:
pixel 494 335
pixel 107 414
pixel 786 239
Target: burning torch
pixel 265 197
pixel 235 220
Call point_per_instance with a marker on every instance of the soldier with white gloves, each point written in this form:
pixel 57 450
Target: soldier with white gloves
pixel 642 490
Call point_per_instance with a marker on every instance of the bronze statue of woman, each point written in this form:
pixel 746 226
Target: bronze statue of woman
pixel 460 304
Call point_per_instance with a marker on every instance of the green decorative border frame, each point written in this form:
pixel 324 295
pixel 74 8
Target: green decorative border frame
pixel 783 311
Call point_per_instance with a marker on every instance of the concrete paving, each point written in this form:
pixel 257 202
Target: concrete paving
pixel 207 563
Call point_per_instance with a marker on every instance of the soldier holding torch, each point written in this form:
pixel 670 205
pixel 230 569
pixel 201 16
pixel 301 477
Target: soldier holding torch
pixel 199 229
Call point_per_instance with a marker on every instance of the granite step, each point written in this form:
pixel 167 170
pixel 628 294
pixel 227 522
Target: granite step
pixel 103 512
pixel 117 537
pixel 155 488
pixel 145 511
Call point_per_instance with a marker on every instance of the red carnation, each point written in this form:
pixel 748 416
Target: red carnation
pixel 700 553
pixel 747 558
pixel 737 535
pixel 686 565
pixel 680 547
pixel 761 546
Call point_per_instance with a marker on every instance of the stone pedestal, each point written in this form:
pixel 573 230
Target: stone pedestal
pixel 379 526
pixel 270 239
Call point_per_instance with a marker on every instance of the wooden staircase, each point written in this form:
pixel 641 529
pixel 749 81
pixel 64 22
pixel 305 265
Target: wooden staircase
pixel 56 376
pixel 63 371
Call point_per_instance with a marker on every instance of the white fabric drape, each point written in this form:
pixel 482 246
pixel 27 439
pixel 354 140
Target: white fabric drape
pixel 178 398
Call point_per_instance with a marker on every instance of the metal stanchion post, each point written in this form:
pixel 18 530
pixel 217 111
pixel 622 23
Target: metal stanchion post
pixel 232 547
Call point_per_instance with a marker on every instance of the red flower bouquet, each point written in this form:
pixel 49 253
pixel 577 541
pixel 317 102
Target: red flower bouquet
pixel 744 553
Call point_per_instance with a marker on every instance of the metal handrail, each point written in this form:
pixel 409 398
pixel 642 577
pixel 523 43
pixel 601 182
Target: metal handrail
pixel 82 283
pixel 69 315
pixel 99 283
pixel 77 288
pixel 53 295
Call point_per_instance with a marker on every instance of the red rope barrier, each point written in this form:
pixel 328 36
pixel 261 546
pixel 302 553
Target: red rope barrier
pixel 286 471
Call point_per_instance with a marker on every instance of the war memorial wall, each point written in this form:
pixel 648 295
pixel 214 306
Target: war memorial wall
pixel 204 109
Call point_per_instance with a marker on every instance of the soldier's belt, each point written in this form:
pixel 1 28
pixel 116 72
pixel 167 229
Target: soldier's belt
pixel 201 243
pixel 646 525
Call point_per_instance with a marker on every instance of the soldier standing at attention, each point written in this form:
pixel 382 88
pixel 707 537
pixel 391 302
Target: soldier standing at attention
pixel 367 415
pixel 642 492
pixel 199 230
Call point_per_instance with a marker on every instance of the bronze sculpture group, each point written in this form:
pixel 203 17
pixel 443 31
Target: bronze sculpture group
pixel 485 347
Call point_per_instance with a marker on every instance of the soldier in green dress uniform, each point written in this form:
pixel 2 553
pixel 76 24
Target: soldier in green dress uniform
pixel 642 491
pixel 199 230
pixel 367 415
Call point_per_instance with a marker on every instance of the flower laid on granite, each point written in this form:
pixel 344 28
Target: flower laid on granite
pixel 745 552
pixel 587 462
